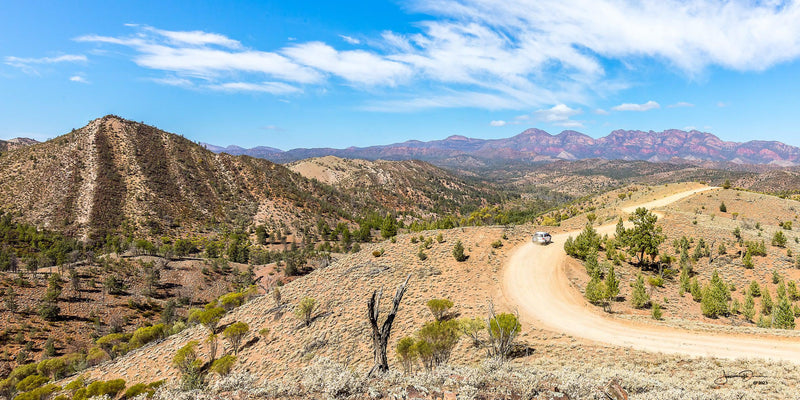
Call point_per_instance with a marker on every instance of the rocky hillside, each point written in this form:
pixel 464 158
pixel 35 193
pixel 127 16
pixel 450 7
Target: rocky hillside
pixel 535 145
pixel 16 143
pixel 400 185
pixel 117 175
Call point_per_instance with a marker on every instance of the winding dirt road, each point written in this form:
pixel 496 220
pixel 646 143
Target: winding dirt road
pixel 535 280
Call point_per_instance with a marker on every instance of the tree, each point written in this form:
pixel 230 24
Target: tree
pixel 723 207
pixel 656 311
pixel 611 286
pixel 388 227
pixel 49 309
pixel 169 312
pixel 749 308
pixel 503 330
pixel 189 365
pixel 639 297
pixel 715 297
pixel 645 236
pixel 439 308
pixel 10 299
pixel 755 289
pixel 585 244
pixel 209 317
pixel 458 252
pixel 380 335
pixel 727 184
pixel 620 233
pixel 223 365
pixel 595 290
pixel 695 290
pixel 305 310
pixel 783 317
pixel 766 303
pixel 234 333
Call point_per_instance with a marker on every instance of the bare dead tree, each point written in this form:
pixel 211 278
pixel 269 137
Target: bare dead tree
pixel 380 336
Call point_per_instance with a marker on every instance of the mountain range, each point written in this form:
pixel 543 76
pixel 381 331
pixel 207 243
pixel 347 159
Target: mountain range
pixel 535 145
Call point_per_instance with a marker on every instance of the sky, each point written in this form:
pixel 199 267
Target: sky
pixel 342 73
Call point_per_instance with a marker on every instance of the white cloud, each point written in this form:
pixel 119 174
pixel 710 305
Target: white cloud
pixel 197 38
pixel 355 66
pixel 650 105
pixel 78 78
pixel 350 39
pixel 30 65
pixel 173 81
pixel 680 104
pixel 559 115
pixel 600 111
pixel 497 123
pixel 263 87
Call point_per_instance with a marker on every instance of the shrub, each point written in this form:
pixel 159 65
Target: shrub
pixel 378 253
pixel 439 238
pixel 421 255
pixel 147 334
pixel 441 337
pixel 439 308
pixel 748 260
pixel 472 327
pixel 189 364
pixel 406 353
pixel 497 244
pixel 234 333
pixel 223 365
pixel 305 309
pixel 458 252
pixel 766 303
pixel 779 239
pixel 503 329
pixel 110 388
pixel 723 207
pixel 232 300
pixel 656 314
pixel 715 297
pixel 31 382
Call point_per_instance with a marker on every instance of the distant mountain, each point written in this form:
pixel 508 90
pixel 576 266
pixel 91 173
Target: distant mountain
pixel 16 143
pixel 535 145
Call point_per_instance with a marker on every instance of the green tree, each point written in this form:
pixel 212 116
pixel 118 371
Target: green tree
pixel 783 317
pixel 749 308
pixel 10 299
pixel 49 309
pixel 189 365
pixel 755 289
pixel 439 308
pixel 234 333
pixel 715 297
pixel 727 184
pixel 458 252
pixel 305 310
pixel 645 236
pixel 388 227
pixel 639 297
pixel 595 290
pixel 766 303
pixel 585 244
pixel 723 207
pixel 612 284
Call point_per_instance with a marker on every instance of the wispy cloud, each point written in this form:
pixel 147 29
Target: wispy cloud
pixel 78 78
pixel 680 104
pixel 263 87
pixel 30 65
pixel 350 39
pixel 499 122
pixel 515 54
pixel 650 105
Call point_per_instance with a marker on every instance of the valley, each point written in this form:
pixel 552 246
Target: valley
pixel 126 249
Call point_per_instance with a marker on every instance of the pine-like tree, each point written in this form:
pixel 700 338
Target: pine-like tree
pixel 783 317
pixel 639 297
pixel 749 308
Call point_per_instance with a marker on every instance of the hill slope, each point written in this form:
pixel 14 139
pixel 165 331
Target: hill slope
pixel 400 185
pixel 115 174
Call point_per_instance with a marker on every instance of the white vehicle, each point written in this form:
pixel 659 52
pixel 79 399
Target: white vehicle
pixel 542 238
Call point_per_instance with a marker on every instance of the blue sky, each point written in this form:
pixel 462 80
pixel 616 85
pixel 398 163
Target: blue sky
pixel 292 74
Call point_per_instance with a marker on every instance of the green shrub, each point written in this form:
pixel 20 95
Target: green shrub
pixel 656 314
pixel 497 244
pixel 223 365
pixel 439 308
pixel 234 333
pixel 639 297
pixel 305 310
pixel 406 353
pixel 458 252
pixel 147 334
pixel 441 337
pixel 31 382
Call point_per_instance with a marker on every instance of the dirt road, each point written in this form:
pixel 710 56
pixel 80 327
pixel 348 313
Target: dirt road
pixel 535 280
